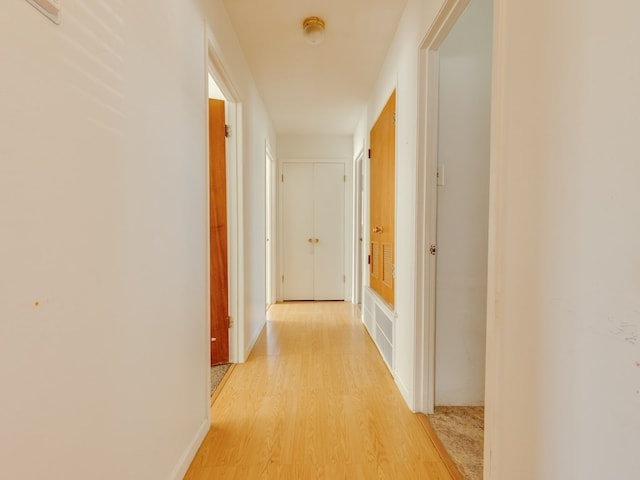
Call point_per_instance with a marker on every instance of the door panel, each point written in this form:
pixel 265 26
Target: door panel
pixel 313 231
pixel 298 235
pixel 382 202
pixel 329 214
pixel 219 282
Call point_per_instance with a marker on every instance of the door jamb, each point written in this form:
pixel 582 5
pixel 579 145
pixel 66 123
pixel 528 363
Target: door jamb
pixel 271 205
pixel 358 228
pixel 426 198
pixel 235 241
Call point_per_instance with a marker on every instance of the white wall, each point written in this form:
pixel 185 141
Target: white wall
pixel 103 257
pixel 463 207
pixel 103 277
pixel 333 148
pixel 563 385
pixel 323 147
pixel 256 128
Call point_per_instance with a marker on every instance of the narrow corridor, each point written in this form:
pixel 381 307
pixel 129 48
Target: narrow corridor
pixel 314 401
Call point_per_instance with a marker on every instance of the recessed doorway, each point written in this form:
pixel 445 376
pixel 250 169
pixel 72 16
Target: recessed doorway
pixel 456 62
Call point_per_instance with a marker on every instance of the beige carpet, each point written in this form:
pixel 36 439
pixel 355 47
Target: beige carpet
pixel 217 372
pixel 461 431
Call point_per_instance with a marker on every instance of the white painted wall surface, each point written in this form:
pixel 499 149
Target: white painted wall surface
pixel 323 147
pixel 463 207
pixel 103 257
pixel 563 385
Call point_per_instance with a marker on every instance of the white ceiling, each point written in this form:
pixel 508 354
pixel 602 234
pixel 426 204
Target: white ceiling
pixel 315 89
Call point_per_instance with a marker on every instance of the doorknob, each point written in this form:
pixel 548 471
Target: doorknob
pixel 310 240
pixel 317 240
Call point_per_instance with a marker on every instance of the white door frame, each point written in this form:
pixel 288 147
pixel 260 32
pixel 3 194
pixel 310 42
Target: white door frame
pixel 235 235
pixel 358 228
pixel 270 227
pixel 426 198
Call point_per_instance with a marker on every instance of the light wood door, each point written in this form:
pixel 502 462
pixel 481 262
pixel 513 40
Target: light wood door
pixel 313 231
pixel 382 202
pixel 218 234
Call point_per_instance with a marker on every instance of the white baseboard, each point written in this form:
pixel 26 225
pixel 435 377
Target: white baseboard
pixel 185 461
pixel 253 341
pixel 404 391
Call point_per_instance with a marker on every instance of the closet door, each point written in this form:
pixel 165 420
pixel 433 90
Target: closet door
pixel 313 231
pixel 329 231
pixel 298 236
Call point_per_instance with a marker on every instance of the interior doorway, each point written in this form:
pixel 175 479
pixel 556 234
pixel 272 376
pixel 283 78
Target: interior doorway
pixel 454 213
pixel 219 85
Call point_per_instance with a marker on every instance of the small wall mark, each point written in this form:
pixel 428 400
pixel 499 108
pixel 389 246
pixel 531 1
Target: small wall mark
pixel 627 331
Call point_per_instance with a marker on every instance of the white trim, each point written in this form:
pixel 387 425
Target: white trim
pixel 426 195
pixel 271 173
pixel 187 457
pixel 358 218
pixel 497 166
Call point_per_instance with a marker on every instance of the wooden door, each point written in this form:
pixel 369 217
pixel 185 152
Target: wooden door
pixel 313 231
pixel 218 234
pixel 382 202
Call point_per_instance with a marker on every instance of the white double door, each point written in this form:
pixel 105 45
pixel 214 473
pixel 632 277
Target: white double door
pixel 313 231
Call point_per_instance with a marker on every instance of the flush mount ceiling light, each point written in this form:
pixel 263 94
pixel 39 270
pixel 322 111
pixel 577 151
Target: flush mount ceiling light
pixel 313 29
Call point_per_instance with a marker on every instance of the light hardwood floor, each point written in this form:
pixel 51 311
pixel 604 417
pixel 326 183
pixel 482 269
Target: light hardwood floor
pixel 314 401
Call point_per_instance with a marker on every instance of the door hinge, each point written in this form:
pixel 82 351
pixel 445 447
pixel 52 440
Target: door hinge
pixel 368 259
pixel 345 178
pixel 344 279
pixel 433 249
pixel 282 177
pixel 230 322
pixel 394 118
pixel 369 153
pixel 227 131
pixel 282 278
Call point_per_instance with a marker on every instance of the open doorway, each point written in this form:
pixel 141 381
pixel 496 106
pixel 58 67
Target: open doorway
pixel 457 94
pixel 220 87
pixel 218 236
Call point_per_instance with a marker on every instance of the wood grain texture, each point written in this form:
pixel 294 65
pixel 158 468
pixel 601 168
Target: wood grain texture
pixel 442 451
pixel 314 401
pixel 219 272
pixel 382 201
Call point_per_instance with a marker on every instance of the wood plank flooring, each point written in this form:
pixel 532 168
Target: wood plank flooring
pixel 314 401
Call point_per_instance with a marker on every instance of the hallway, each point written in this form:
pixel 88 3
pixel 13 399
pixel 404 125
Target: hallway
pixel 314 401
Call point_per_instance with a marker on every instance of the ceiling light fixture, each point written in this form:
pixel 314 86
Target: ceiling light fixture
pixel 313 30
